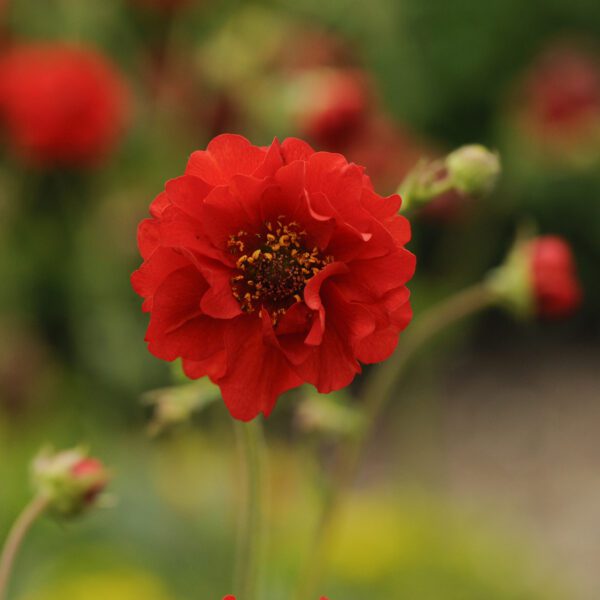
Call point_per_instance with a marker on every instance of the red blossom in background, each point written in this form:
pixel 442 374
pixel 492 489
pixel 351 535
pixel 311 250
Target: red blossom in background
pixel 560 100
pixel 556 288
pixel 335 108
pixel 61 105
pixel 265 268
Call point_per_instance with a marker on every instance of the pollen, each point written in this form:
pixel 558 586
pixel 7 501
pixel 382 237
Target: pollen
pixel 273 267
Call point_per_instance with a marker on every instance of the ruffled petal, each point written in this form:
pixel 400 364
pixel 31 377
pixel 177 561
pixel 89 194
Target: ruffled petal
pixel 214 366
pixel 294 149
pixel 257 373
pixel 177 326
pixel 154 270
pixel 187 194
pixel 225 156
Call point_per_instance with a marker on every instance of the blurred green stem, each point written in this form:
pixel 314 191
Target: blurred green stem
pixel 251 541
pixel 375 393
pixel 15 538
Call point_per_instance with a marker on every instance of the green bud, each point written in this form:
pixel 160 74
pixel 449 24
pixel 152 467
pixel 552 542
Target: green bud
pixel 473 169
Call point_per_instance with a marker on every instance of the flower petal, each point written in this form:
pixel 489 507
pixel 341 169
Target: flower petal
pixel 257 373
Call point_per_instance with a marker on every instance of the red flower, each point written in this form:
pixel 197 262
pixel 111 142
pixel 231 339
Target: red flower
pixel 556 288
pixel 60 105
pixel 265 268
pixel 564 89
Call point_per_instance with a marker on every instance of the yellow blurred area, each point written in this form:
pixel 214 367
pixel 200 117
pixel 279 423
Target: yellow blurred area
pixel 125 585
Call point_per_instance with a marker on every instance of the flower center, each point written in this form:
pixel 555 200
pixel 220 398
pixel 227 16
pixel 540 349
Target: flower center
pixel 273 267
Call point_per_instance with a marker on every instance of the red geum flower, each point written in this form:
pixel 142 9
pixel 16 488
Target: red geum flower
pixel 61 105
pixel 556 288
pixel 265 268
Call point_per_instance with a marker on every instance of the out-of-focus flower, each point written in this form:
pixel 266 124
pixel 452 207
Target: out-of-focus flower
pixel 563 91
pixel 555 284
pixel 538 278
pixel 265 268
pixel 330 105
pixel 70 480
pixel 555 115
pixel 61 105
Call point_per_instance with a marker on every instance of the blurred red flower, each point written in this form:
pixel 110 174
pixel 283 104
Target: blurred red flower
pixel 556 288
pixel 563 89
pixel 335 107
pixel 265 268
pixel 61 105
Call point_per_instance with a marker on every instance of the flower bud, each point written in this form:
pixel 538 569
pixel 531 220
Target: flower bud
pixel 70 480
pixel 538 278
pixel 473 169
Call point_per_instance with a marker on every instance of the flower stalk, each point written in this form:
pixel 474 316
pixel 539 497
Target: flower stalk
pixel 15 539
pixel 375 394
pixel 251 535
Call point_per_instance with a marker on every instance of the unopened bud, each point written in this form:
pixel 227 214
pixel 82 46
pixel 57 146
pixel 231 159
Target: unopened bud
pixel 70 480
pixel 473 169
pixel 538 278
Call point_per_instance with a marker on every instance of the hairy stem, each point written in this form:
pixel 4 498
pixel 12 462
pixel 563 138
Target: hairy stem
pixel 251 538
pixel 15 538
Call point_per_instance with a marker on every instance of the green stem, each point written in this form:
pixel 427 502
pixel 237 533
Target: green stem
pixel 251 541
pixel 375 393
pixel 15 538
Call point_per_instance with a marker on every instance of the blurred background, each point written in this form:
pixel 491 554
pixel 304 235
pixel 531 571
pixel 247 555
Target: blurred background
pixel 484 481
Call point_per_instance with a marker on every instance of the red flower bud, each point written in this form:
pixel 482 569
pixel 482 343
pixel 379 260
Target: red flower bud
pixel 61 105
pixel 90 470
pixel 556 289
pixel 70 480
pixel 538 277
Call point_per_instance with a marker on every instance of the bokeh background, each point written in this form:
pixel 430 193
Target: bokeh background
pixel 484 480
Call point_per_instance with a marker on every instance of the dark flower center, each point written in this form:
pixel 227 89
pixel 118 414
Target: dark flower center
pixel 273 267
